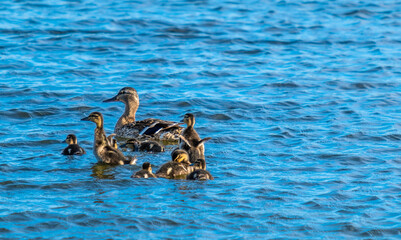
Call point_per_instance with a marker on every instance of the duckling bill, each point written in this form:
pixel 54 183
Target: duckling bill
pixel 73 147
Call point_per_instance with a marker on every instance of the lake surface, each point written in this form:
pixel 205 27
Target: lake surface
pixel 302 100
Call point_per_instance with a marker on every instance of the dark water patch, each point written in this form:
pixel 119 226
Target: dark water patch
pixel 287 104
pixel 46 226
pixel 154 60
pixel 220 116
pixel 282 85
pixel 30 143
pixel 16 114
pixel 4 230
pixel 46 112
pixel 359 13
pixel 16 217
pixel 243 51
pixel 214 74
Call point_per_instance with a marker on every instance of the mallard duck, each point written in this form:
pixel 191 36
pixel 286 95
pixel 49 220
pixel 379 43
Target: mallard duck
pixel 73 147
pixel 146 146
pixel 177 168
pixel 190 140
pixel 101 148
pixel 146 172
pixel 200 172
pixel 128 127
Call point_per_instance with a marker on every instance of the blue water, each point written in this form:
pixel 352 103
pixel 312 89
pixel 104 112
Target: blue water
pixel 302 100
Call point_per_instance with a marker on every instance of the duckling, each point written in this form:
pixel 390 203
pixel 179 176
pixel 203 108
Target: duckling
pixel 128 127
pixel 146 146
pixel 101 148
pixel 200 172
pixel 177 168
pixel 146 172
pixel 190 140
pixel 73 147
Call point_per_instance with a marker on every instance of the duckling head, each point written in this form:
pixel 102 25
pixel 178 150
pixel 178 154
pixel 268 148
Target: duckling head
pixel 200 164
pixel 131 143
pixel 147 166
pixel 71 139
pixel 189 119
pixel 180 155
pixel 125 95
pixel 95 117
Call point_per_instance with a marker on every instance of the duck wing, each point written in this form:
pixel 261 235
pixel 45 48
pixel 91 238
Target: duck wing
pixel 154 126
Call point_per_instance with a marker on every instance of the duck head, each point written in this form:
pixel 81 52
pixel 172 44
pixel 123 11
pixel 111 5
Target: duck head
pixel 180 156
pixel 189 119
pixel 126 95
pixel 147 166
pixel 95 117
pixel 200 164
pixel 132 144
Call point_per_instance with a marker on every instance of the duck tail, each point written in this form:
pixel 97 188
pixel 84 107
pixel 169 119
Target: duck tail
pixel 203 141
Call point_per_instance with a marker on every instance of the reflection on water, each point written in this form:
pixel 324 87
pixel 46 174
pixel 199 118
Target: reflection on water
pixel 102 171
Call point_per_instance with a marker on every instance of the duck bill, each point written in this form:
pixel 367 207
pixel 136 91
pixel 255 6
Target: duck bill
pixel 85 119
pixel 113 99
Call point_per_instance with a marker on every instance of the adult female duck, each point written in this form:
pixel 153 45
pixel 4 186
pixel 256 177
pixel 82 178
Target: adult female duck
pixel 128 127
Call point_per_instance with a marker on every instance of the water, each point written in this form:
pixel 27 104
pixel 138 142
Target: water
pixel 301 98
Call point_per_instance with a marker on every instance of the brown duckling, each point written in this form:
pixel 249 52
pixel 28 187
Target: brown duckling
pixel 128 127
pixel 177 168
pixel 101 148
pixel 145 146
pixel 200 172
pixel 190 140
pixel 146 172
pixel 73 147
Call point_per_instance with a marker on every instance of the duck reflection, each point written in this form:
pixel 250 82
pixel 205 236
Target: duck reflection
pixel 102 171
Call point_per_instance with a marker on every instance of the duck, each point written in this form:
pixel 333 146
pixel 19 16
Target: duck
pixel 177 168
pixel 190 140
pixel 128 127
pixel 146 171
pixel 101 147
pixel 73 147
pixel 200 172
pixel 145 146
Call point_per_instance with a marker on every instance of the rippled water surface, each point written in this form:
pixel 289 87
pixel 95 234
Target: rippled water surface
pixel 302 100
